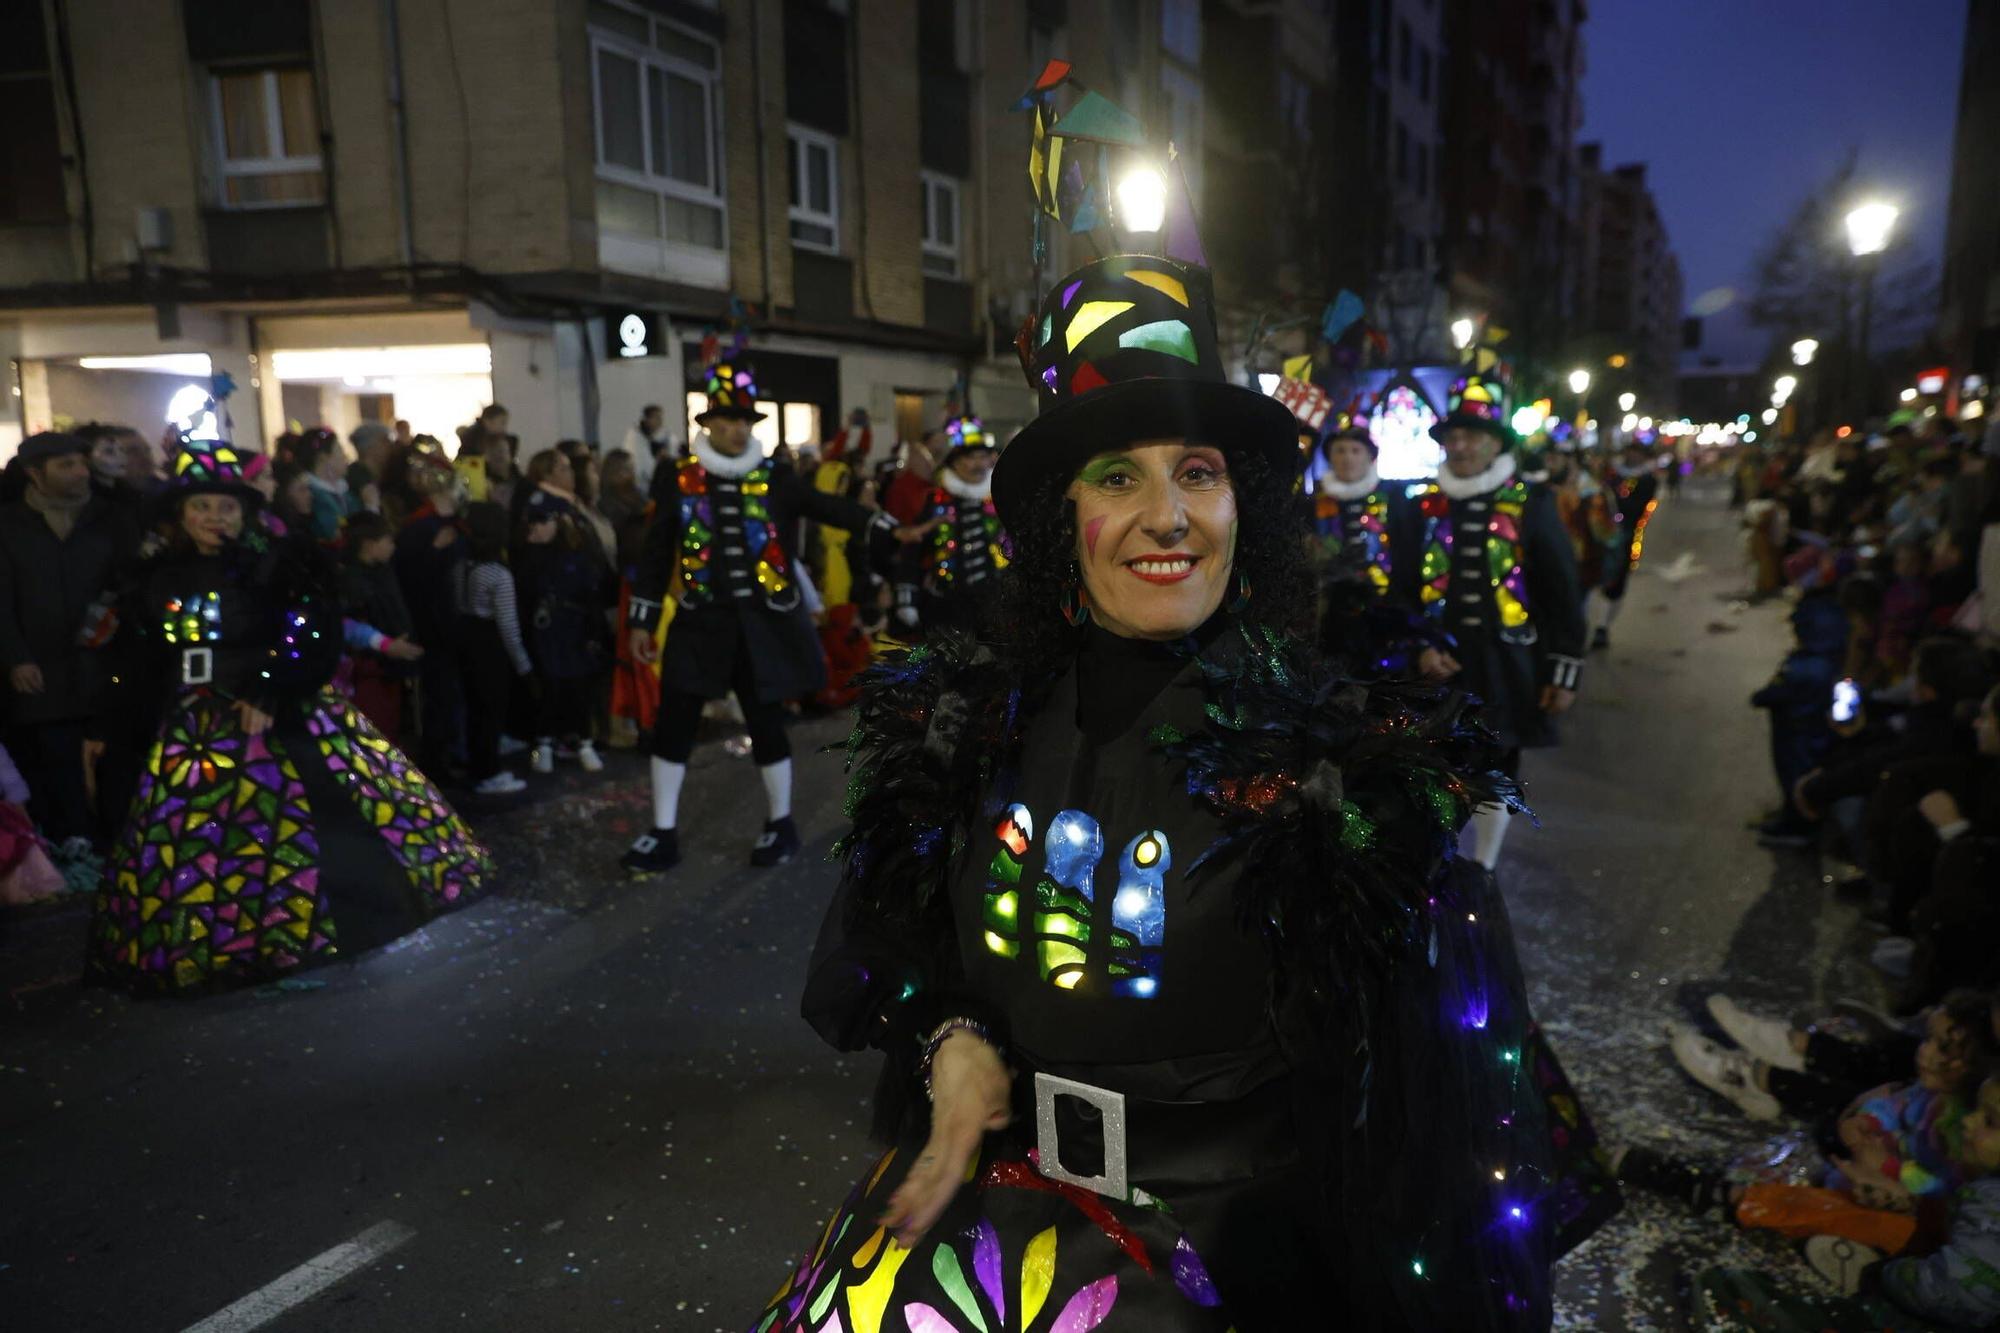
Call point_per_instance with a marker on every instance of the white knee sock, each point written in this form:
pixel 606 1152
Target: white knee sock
pixel 778 788
pixel 1489 830
pixel 667 776
pixel 1599 610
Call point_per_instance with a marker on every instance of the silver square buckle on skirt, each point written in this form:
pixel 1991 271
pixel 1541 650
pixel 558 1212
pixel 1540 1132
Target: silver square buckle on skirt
pixel 1111 1109
pixel 197 666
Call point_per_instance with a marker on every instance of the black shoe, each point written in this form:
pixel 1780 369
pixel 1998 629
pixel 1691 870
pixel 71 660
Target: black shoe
pixel 1855 886
pixel 779 844
pixel 652 854
pixel 1787 833
pixel 1600 640
pixel 1699 1190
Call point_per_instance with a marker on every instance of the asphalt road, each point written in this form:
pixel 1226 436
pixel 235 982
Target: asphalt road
pixel 587 1104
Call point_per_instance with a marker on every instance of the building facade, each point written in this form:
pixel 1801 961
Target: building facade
pixel 409 209
pixel 1969 314
pixel 1632 302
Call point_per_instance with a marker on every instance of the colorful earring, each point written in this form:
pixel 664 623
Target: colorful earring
pixel 1074 604
pixel 1242 592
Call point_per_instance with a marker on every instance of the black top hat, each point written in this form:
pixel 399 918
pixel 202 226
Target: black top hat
pixel 1479 402
pixel 732 392
pixel 211 467
pixel 1125 349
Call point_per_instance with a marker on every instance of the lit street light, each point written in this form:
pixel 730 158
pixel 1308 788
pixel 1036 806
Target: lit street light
pixel 1803 351
pixel 1579 381
pixel 1627 401
pixel 1462 330
pixel 1868 228
pixel 1908 395
pixel 1142 199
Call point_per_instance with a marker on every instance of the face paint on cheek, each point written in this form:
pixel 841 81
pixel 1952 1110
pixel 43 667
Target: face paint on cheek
pixel 1090 531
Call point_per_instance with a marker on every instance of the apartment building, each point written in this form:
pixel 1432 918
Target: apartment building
pixel 408 208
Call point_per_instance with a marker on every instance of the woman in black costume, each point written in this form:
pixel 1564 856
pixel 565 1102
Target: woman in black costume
pixel 1193 1019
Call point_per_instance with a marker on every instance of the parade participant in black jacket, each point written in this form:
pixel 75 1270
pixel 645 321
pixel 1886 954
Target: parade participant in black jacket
pixel 723 523
pixel 1632 486
pixel 1497 572
pixel 951 571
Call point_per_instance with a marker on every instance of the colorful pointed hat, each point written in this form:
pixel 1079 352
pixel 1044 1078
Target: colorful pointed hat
pixel 732 392
pixel 212 467
pixel 1480 402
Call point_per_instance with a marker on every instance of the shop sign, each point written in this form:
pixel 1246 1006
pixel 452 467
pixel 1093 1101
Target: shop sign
pixel 634 333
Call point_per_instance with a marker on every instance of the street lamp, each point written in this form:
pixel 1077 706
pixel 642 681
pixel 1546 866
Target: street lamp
pixel 1781 390
pixel 1462 330
pixel 1868 228
pixel 1803 351
pixel 1908 395
pixel 1579 381
pixel 1142 199
pixel 1627 401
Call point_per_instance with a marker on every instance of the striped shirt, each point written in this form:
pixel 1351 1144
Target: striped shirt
pixel 486 590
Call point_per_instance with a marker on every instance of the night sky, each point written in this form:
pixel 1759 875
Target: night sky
pixel 1740 107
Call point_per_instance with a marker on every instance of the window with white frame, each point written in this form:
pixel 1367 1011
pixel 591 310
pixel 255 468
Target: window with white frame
pixel 266 126
pixel 658 114
pixel 815 188
pixel 940 198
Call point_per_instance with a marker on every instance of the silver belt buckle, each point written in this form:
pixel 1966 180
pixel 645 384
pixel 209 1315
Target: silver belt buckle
pixel 197 666
pixel 1111 1108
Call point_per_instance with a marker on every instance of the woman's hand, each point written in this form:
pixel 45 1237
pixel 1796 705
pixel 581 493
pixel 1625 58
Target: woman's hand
pixel 969 1087
pixel 254 719
pixel 1435 664
pixel 403 650
pixel 641 642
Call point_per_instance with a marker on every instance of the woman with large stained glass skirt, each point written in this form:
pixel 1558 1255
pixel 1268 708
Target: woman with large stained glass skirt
pixel 273 828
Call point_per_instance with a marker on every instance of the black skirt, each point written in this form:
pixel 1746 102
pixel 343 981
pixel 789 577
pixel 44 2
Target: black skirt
pixel 709 651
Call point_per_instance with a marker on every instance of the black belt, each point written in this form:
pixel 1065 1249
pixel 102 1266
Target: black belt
pixel 1127 1142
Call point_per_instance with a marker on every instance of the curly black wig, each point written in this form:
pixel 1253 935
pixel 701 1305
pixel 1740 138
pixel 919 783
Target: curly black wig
pixel 1025 621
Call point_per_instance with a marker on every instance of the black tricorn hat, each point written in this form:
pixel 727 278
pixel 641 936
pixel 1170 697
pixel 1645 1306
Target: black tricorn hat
pixel 1124 349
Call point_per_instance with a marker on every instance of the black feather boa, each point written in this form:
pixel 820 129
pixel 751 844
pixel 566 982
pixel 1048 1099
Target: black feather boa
pixel 1397 989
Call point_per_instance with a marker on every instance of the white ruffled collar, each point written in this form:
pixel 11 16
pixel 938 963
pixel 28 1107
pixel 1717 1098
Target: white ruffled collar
pixel 721 464
pixel 976 492
pixel 1352 490
pixel 1497 474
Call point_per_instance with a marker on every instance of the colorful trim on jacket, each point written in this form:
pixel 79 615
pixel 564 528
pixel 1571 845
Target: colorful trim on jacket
pixel 1503 552
pixel 1626 485
pixel 1368 541
pixel 698 531
pixel 940 565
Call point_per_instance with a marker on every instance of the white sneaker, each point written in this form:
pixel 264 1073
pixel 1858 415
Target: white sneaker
pixel 1766 1038
pixel 1840 1261
pixel 543 758
pixel 502 783
pixel 586 755
pixel 1726 1073
pixel 511 744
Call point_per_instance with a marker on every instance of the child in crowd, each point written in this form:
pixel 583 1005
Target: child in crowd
pixel 370 592
pixel 562 578
pixel 1891 1147
pixel 319 453
pixel 489 644
pixel 1798 699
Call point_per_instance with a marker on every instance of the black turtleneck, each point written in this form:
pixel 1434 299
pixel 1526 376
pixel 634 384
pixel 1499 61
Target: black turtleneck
pixel 1118 678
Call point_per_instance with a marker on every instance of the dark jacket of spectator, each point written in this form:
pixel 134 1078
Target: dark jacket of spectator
pixel 49 587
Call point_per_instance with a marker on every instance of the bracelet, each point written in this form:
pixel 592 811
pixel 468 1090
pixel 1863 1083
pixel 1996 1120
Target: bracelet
pixel 936 1039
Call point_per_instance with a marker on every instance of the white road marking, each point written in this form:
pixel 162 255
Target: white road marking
pixel 306 1281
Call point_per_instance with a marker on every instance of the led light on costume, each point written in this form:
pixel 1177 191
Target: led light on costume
pixel 1002 910
pixel 941 556
pixel 192 620
pixel 1139 915
pixel 1627 485
pixel 1064 897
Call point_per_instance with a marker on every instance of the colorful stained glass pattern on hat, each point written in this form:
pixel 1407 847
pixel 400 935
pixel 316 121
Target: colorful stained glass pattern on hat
pixel 1014 1250
pixel 1124 318
pixel 216 878
pixel 208 463
pixel 966 432
pixel 1480 397
pixel 731 389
